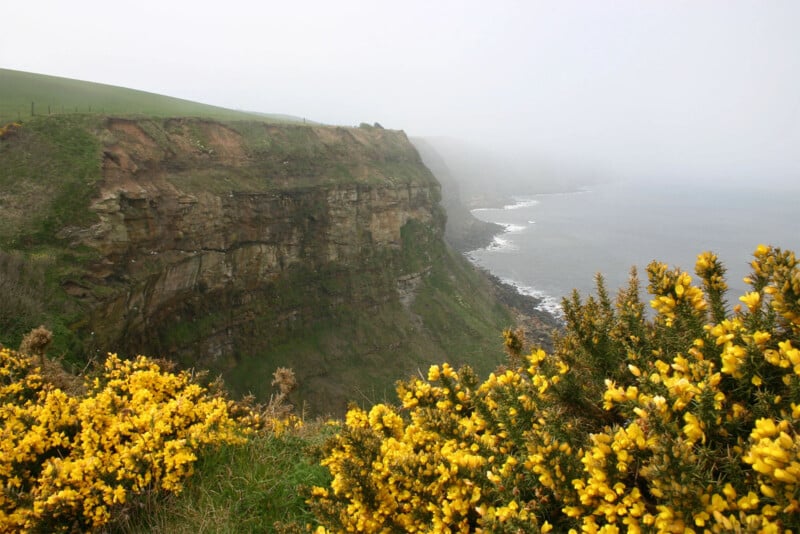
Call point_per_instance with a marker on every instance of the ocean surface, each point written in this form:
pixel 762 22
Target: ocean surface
pixel 554 243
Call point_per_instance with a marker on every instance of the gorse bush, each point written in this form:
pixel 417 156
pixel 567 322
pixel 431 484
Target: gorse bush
pixel 686 421
pixel 69 461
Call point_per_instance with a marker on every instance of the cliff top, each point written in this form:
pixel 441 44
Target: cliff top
pixel 53 165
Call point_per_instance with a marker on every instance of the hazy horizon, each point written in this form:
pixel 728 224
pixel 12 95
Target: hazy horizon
pixel 681 91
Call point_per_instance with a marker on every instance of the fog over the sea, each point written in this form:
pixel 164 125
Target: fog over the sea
pixel 660 90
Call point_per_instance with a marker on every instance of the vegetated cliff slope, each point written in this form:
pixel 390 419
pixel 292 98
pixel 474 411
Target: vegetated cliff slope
pixel 239 247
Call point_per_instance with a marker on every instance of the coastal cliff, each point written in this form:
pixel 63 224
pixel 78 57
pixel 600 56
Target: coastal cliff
pixel 241 247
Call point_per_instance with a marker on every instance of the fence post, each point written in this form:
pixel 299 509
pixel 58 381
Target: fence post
pixel 32 113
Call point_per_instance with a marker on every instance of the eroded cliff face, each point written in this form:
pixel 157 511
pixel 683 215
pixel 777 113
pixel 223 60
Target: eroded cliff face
pixel 242 247
pixel 217 243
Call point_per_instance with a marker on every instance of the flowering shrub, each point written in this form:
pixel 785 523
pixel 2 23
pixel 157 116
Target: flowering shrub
pixel 687 421
pixel 68 461
pixel 9 129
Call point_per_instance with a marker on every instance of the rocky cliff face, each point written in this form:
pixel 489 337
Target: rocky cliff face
pixel 244 247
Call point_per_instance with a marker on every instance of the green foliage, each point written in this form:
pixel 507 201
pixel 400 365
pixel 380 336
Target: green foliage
pixel 688 421
pixel 254 487
pixel 368 350
pixel 32 295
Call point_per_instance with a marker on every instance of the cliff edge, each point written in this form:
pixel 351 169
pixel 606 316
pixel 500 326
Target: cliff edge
pixel 240 247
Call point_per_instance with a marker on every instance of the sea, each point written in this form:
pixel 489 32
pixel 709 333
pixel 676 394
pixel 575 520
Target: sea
pixel 555 243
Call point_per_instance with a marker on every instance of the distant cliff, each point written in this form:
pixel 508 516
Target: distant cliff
pixel 464 232
pixel 240 247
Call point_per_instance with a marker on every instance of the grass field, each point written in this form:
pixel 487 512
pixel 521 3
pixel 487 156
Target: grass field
pixel 23 94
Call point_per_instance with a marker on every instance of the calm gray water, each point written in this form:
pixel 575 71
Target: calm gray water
pixel 556 242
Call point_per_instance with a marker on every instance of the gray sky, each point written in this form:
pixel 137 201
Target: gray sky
pixel 659 89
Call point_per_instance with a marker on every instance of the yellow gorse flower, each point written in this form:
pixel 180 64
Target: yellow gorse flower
pixel 73 460
pixel 687 422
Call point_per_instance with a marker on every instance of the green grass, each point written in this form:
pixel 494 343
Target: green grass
pixel 48 175
pixel 53 95
pixel 50 168
pixel 256 487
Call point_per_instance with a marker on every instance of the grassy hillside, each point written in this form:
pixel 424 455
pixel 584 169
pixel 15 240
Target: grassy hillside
pixel 55 95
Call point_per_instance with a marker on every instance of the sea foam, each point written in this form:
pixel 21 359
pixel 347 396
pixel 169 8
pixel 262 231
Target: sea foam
pixel 513 228
pixel 547 302
pixel 521 202
pixel 501 244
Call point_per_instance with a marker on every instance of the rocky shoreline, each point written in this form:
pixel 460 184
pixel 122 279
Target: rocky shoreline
pixel 466 233
pixel 538 325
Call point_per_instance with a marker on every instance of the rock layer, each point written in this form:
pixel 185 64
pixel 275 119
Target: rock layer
pixel 241 247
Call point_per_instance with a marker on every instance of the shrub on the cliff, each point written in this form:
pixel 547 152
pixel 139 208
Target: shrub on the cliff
pixel 687 421
pixel 67 461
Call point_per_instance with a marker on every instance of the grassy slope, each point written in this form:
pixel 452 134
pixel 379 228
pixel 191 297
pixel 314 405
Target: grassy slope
pixel 64 95
pixel 47 177
pixel 57 158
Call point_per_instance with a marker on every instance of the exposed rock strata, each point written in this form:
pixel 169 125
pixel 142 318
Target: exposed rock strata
pixel 242 247
pixel 219 245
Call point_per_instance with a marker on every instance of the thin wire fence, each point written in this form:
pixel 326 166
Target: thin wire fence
pixel 17 112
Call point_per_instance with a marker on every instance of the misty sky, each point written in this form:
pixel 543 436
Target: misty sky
pixel 655 89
